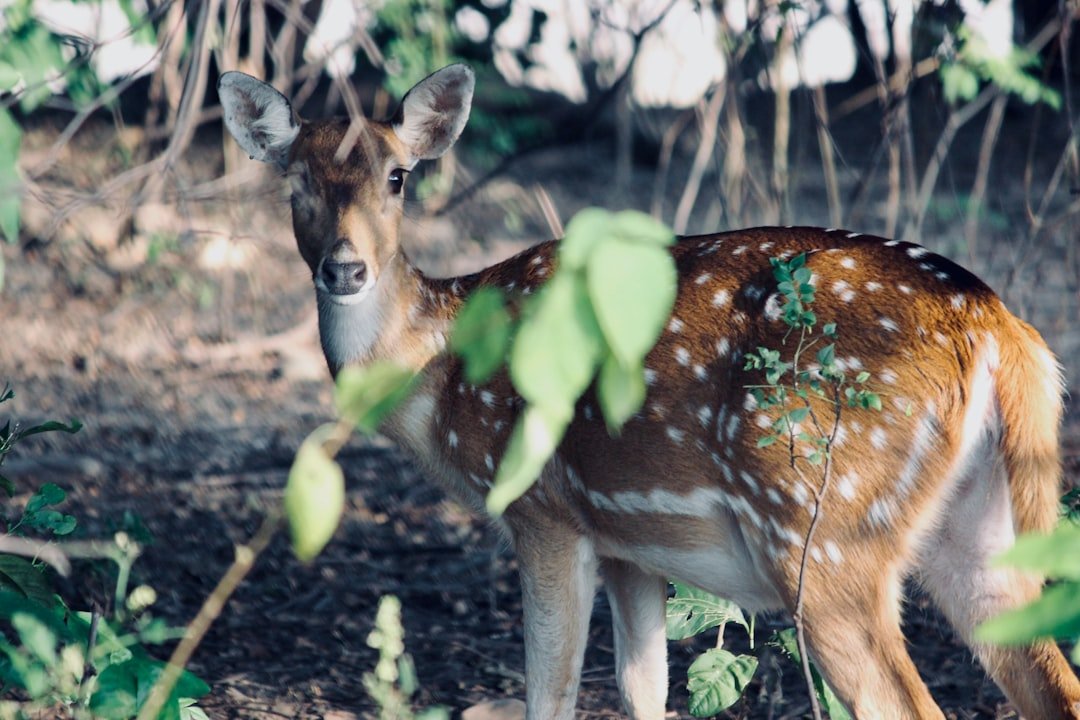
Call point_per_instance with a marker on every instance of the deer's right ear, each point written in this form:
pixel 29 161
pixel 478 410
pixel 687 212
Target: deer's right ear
pixel 259 117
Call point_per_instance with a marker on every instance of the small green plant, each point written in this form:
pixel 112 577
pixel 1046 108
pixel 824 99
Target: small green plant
pixel 393 682
pixel 59 660
pixel 807 399
pixel 974 61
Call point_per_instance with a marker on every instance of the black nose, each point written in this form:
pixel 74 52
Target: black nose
pixel 343 278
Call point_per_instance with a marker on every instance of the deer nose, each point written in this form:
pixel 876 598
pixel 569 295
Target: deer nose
pixel 343 278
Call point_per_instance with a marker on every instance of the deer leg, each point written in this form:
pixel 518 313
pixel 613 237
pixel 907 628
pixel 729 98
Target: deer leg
pixel 852 624
pixel 956 571
pixel 558 583
pixel 637 607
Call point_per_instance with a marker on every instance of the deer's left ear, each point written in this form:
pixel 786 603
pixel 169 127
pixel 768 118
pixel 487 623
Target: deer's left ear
pixel 259 117
pixel 433 114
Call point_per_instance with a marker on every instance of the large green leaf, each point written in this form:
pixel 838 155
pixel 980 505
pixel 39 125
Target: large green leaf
pixel 584 231
pixel 366 395
pixel 314 497
pixel 557 347
pixel 36 637
pixel 22 576
pixel 621 391
pixel 632 288
pixel 717 680
pixel 481 334
pixel 693 611
pixel 1056 554
pixel 532 443
pixel 10 183
pixel 1055 614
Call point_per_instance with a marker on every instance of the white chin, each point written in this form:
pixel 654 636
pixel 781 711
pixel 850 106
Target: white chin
pixel 355 298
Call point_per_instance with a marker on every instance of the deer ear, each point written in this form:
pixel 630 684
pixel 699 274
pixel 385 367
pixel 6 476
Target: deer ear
pixel 259 117
pixel 433 114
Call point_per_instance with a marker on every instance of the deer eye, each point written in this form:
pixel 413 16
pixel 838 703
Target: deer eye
pixel 396 181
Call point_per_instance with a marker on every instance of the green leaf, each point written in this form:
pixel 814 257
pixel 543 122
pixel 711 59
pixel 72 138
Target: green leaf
pixel 766 440
pixel 314 496
pixel 481 334
pixel 717 679
pixel 532 443
pixel 366 395
pixel 36 637
pixel 827 355
pixel 51 426
pixel 10 182
pixel 693 611
pixel 593 227
pixel 9 77
pixel 584 231
pixel 1055 614
pixel 52 521
pixel 958 82
pixel 557 347
pixel 632 288
pixel 20 575
pixel 1055 554
pixel 621 391
pixel 862 377
pixel 47 494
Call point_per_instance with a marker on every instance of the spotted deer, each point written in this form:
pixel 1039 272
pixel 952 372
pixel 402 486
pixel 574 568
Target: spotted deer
pixel 962 457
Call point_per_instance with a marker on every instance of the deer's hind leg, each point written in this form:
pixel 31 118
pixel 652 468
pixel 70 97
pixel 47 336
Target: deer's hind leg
pixel 852 621
pixel 955 568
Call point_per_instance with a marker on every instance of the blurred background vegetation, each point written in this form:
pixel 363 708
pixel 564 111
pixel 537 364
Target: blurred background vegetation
pixel 151 286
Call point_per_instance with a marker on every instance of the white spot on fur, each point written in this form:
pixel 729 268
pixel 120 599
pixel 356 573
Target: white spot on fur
pixel 848 263
pixel 675 434
pixel 650 376
pixel 881 513
pixel 721 298
pixel 489 462
pixel 904 289
pixel 703 278
pixel 487 398
pixel 452 439
pixel 682 356
pixel 888 376
pixel 916 252
pixel 773 308
pixel 676 325
pixel 774 497
pixel 873 286
pixel 739 250
pixel 723 345
pixel 833 552
pixel 957 301
pixel 889 324
pixel 845 485
pixel 878 439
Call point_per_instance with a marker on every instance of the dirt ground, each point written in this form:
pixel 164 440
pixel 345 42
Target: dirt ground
pixel 194 364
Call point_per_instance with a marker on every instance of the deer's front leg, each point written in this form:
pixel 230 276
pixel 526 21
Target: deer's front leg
pixel 558 583
pixel 637 608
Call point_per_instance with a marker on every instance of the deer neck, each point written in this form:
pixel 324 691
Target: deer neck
pixel 405 319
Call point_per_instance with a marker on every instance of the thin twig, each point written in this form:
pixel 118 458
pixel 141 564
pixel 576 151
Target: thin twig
pixel 709 119
pixel 991 133
pixel 208 613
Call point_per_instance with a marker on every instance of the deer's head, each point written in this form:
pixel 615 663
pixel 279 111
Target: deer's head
pixel 347 192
